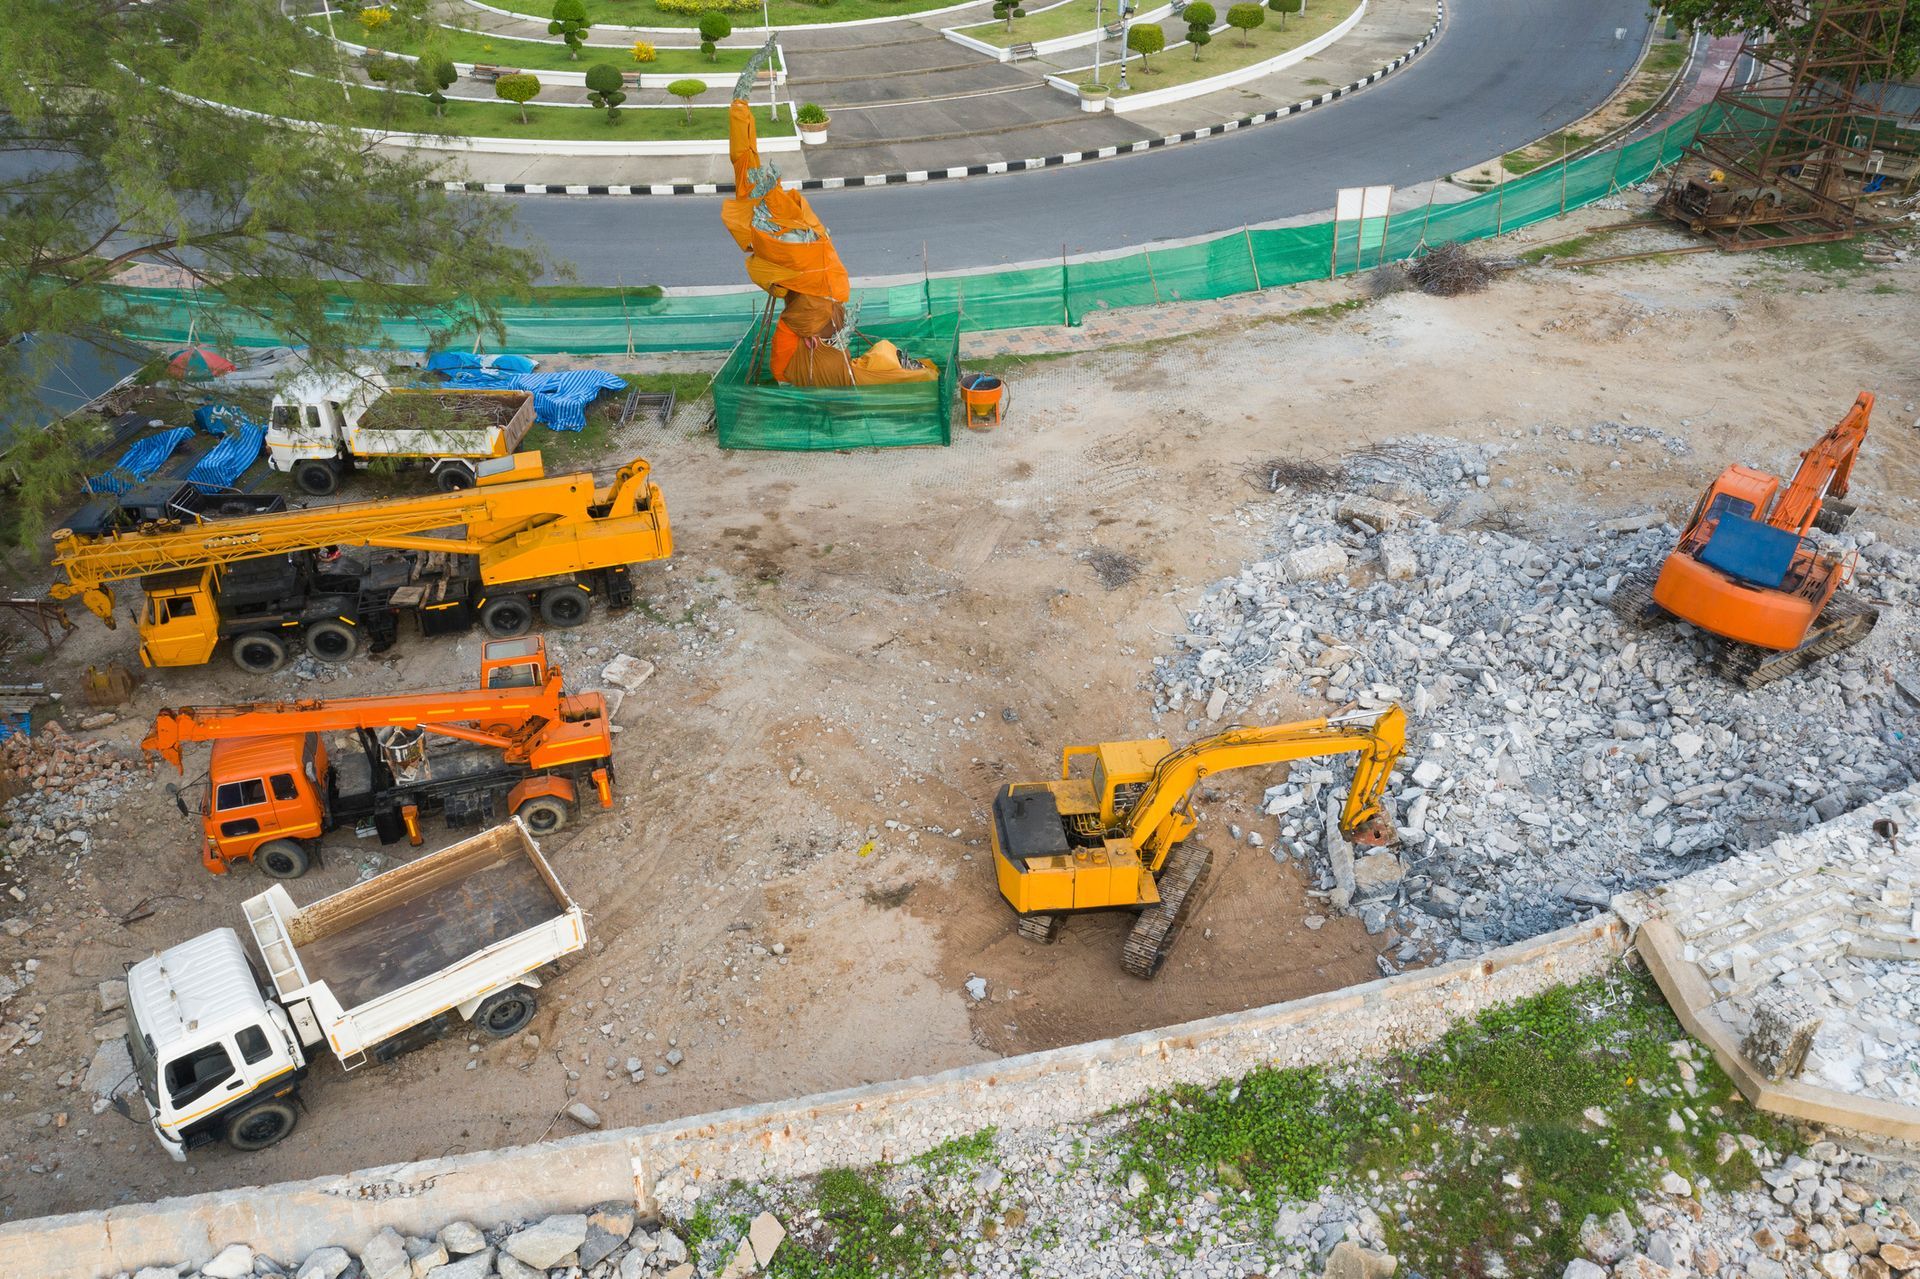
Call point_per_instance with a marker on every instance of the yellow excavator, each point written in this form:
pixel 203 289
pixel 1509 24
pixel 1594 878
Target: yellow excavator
pixel 1111 838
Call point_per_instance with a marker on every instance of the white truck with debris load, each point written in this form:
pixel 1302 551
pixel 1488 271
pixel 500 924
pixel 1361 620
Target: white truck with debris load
pixel 323 425
pixel 369 972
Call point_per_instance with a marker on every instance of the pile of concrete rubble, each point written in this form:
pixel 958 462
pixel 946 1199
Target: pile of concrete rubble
pixel 53 785
pixel 1556 756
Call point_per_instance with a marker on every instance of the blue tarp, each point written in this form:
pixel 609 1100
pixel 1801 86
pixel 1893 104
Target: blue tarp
pixel 228 460
pixel 559 399
pixel 1749 551
pixel 139 462
pixel 218 419
pixel 455 361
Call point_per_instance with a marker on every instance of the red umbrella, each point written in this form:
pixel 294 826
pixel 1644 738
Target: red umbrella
pixel 195 363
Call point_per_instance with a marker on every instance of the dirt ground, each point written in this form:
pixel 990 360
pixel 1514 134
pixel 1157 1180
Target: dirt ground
pixel 853 651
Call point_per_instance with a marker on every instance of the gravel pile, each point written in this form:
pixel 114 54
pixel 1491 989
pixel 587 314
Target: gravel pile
pixel 1556 755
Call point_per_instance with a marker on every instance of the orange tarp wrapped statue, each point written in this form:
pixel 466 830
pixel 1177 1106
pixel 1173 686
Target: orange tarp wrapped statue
pixel 791 256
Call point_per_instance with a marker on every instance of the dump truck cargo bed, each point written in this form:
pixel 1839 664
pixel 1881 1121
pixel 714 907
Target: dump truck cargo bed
pixel 393 952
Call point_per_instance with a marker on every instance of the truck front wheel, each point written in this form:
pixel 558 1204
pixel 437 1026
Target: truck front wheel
pixel 453 477
pixel 545 814
pixel 506 616
pixel 282 859
pixel 262 1124
pixel 506 1013
pixel 316 477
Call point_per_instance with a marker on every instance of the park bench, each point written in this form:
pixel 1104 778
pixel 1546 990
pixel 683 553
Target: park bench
pixel 485 71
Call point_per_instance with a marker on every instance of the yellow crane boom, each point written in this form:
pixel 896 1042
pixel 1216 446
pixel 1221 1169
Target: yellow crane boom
pixel 506 503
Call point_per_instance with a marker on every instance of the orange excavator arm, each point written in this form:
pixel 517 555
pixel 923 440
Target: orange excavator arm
pixel 526 710
pixel 1824 470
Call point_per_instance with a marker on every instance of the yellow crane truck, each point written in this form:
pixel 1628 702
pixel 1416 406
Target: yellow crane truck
pixel 1111 838
pixel 340 579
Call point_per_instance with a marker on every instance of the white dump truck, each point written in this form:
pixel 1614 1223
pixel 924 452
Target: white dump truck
pixel 369 972
pixel 323 425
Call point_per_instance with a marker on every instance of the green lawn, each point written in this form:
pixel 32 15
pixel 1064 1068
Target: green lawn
pixel 1061 20
pixel 1176 65
pixel 409 113
pixel 785 13
pixel 533 55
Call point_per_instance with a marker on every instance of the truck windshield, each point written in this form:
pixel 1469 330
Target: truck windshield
pixel 286 417
pixel 140 1044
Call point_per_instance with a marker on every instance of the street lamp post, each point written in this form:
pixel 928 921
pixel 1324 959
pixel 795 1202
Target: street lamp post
pixel 1126 23
pixel 1100 42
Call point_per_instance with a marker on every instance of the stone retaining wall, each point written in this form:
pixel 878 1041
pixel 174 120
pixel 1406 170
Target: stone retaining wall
pixel 662 1166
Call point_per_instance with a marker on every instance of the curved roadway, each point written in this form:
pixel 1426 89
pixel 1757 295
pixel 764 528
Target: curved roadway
pixel 1503 73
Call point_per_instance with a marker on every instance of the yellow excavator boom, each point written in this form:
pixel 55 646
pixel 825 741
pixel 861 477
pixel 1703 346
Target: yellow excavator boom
pixel 1154 827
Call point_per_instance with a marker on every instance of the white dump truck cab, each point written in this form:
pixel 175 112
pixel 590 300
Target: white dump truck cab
pixel 216 1059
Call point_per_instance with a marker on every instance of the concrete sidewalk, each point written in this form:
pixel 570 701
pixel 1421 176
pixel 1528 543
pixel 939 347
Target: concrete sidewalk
pixel 903 98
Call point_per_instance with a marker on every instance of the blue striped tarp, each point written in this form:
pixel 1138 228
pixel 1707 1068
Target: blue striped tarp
pixel 137 463
pixel 228 460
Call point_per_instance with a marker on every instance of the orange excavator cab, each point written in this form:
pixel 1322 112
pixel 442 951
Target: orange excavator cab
pixel 1746 570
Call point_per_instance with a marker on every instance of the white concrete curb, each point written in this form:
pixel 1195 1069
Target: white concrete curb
pixel 738 31
pixel 578 79
pixel 856 1126
pixel 1069 81
pixel 1043 48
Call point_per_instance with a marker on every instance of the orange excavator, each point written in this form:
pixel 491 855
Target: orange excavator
pixel 517 745
pixel 1746 571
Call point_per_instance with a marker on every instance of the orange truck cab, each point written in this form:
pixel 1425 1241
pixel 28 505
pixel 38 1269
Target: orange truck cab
pixel 261 790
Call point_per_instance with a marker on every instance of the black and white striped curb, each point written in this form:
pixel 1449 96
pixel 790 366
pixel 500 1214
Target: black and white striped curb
pixel 969 170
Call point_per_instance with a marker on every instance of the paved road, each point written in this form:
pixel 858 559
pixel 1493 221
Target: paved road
pixel 1502 74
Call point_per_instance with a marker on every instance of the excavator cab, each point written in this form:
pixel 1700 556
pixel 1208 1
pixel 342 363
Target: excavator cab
pixel 179 624
pixel 513 663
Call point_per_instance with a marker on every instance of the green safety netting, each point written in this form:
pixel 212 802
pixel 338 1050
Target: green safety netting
pixel 752 411
pixel 1241 261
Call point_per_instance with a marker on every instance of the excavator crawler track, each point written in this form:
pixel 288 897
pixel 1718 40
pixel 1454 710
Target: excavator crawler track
pixel 1632 600
pixel 1845 622
pixel 1044 929
pixel 1158 927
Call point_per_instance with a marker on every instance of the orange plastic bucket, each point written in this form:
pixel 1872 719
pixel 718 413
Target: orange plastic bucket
pixel 983 394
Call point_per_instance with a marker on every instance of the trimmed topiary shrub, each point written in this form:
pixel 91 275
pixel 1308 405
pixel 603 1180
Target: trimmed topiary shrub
pixel 687 91
pixel 570 24
pixel 1200 19
pixel 1244 18
pixel 1146 40
pixel 607 88
pixel 519 88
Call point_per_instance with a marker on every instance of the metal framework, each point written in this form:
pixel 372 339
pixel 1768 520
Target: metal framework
pixel 1783 163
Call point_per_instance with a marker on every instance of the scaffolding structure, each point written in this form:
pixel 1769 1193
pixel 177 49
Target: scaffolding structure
pixel 1786 159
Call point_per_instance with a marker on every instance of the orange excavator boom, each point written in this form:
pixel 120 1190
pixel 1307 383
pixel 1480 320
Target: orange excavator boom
pixel 1825 470
pixel 512 717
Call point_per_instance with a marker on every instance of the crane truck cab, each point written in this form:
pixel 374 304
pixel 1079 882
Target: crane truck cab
pixel 215 1059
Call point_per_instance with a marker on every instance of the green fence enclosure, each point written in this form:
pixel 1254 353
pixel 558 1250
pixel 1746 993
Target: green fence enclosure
pixel 752 411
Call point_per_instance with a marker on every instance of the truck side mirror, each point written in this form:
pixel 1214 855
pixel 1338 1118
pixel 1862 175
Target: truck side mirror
pixel 178 802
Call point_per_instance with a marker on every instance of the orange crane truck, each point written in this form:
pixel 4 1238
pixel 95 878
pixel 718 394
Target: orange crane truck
pixel 518 745
pixel 1745 570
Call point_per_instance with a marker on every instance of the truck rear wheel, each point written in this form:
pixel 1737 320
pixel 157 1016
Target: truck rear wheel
pixel 545 814
pixel 566 605
pixel 282 859
pixel 506 616
pixel 505 1013
pixel 262 1124
pixel 332 641
pixel 259 652
pixel 316 477
pixel 453 477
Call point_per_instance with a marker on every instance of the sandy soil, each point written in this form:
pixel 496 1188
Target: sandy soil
pixel 854 650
